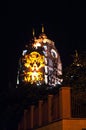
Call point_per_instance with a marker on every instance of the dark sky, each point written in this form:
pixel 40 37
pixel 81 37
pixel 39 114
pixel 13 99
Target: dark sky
pixel 64 22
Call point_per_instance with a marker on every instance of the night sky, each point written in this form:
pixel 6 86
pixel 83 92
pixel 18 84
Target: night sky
pixel 64 22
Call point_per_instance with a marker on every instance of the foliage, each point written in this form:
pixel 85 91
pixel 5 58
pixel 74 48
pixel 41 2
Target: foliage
pixel 75 74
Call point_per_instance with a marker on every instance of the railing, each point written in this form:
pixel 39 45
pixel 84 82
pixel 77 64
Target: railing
pixel 54 108
pixel 78 104
pixel 44 112
pixel 61 105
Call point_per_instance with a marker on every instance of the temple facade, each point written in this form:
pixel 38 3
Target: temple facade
pixel 40 63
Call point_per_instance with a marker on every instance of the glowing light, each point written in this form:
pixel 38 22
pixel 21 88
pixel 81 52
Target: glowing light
pixel 46 80
pixel 36 45
pixel 24 52
pixel 44 40
pixel 46 69
pixel 54 53
pixel 45 48
pixel 45 60
pixel 34 63
pixel 42 28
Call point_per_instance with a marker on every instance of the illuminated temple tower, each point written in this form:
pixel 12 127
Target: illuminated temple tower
pixel 40 62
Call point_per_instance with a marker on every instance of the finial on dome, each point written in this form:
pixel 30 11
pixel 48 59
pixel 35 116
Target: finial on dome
pixel 42 28
pixel 33 32
pixel 76 53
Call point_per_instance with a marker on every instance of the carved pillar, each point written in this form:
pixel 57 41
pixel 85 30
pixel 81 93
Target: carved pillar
pixel 40 112
pixel 50 108
pixel 65 102
pixel 25 119
pixel 32 116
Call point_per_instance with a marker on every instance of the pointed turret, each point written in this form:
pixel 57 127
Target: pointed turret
pixel 42 28
pixel 76 59
pixel 33 32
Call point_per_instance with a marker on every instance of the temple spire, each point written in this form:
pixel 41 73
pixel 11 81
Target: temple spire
pixel 76 54
pixel 76 59
pixel 33 31
pixel 42 28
